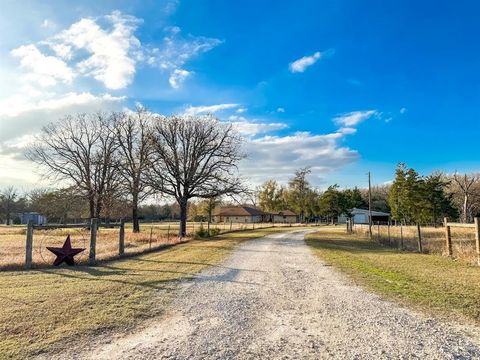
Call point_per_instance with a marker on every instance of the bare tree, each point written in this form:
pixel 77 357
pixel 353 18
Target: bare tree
pixel 8 198
pixel 80 150
pixel 194 157
pixel 135 150
pixel 466 184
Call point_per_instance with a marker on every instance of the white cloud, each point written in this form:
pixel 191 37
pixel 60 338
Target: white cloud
pixel 250 129
pixel 282 155
pixel 24 115
pixel 111 52
pixel 355 117
pixel 303 63
pixel 41 69
pixel 107 49
pixel 241 110
pixel 347 130
pixel 177 50
pixel 403 110
pixel 178 77
pixel 280 110
pixel 195 110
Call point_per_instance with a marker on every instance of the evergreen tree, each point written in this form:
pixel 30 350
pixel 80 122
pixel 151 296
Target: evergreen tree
pixel 396 195
pixel 354 199
pixel 437 202
pixel 333 203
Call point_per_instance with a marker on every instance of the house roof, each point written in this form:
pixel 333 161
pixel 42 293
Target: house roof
pixel 239 211
pixel 355 211
pixel 284 213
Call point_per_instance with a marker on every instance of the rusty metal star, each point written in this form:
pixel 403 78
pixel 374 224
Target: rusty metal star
pixel 65 253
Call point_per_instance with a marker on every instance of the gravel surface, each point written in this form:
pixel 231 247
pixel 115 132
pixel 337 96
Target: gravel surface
pixel 273 299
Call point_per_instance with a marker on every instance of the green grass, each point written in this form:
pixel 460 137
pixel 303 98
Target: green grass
pixel 435 284
pixel 42 310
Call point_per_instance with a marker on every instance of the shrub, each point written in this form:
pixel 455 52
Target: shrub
pixel 201 232
pixel 214 231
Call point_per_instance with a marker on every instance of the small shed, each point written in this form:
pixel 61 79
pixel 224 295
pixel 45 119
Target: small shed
pixel 360 216
pixel 37 218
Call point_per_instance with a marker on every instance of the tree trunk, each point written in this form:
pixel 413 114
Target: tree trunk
pixel 136 224
pixel 91 206
pixel 182 232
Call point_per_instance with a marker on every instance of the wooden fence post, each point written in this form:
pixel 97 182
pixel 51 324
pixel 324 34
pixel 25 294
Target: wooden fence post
pixel 448 237
pixel 168 233
pixel 151 236
pixel 477 238
pixel 378 231
pixel 29 245
pixel 121 238
pixel 419 239
pixel 389 235
pixel 400 243
pixel 230 225
pixel 93 242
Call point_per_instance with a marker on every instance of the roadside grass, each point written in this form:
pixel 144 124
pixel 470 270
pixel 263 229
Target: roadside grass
pixel 434 284
pixel 45 309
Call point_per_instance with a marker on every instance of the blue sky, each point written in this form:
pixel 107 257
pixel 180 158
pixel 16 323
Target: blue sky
pixel 342 86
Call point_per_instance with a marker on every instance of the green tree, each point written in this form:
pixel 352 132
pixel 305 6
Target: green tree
pixel 354 199
pixel 299 192
pixel 333 203
pixel 437 203
pixel 397 194
pixel 271 196
pixel 416 199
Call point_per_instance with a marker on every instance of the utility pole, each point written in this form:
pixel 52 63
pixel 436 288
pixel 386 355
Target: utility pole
pixel 369 207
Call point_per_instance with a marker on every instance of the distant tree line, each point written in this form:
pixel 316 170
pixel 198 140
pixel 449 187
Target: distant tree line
pixel 306 201
pixel 410 198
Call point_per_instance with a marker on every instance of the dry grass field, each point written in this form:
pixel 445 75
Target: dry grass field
pixel 151 237
pixel 44 310
pixel 433 239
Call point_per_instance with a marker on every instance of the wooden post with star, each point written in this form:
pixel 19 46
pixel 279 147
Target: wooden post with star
pixel 121 238
pixel 93 241
pixel 29 245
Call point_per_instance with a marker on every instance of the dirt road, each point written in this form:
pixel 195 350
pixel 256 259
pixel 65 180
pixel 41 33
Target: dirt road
pixel 273 299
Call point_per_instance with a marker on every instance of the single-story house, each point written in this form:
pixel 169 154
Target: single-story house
pixel 360 216
pixel 34 216
pixel 238 214
pixel 284 216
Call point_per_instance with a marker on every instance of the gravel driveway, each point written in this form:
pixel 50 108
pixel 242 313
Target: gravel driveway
pixel 273 299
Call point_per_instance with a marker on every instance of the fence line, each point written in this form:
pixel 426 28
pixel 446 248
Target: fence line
pixel 26 246
pixel 428 238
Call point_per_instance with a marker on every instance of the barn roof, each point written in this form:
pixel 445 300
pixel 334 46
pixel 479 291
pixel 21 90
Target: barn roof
pixel 238 211
pixel 355 211
pixel 284 213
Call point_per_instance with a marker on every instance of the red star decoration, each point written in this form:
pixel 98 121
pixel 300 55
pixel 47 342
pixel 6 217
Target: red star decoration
pixel 65 253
